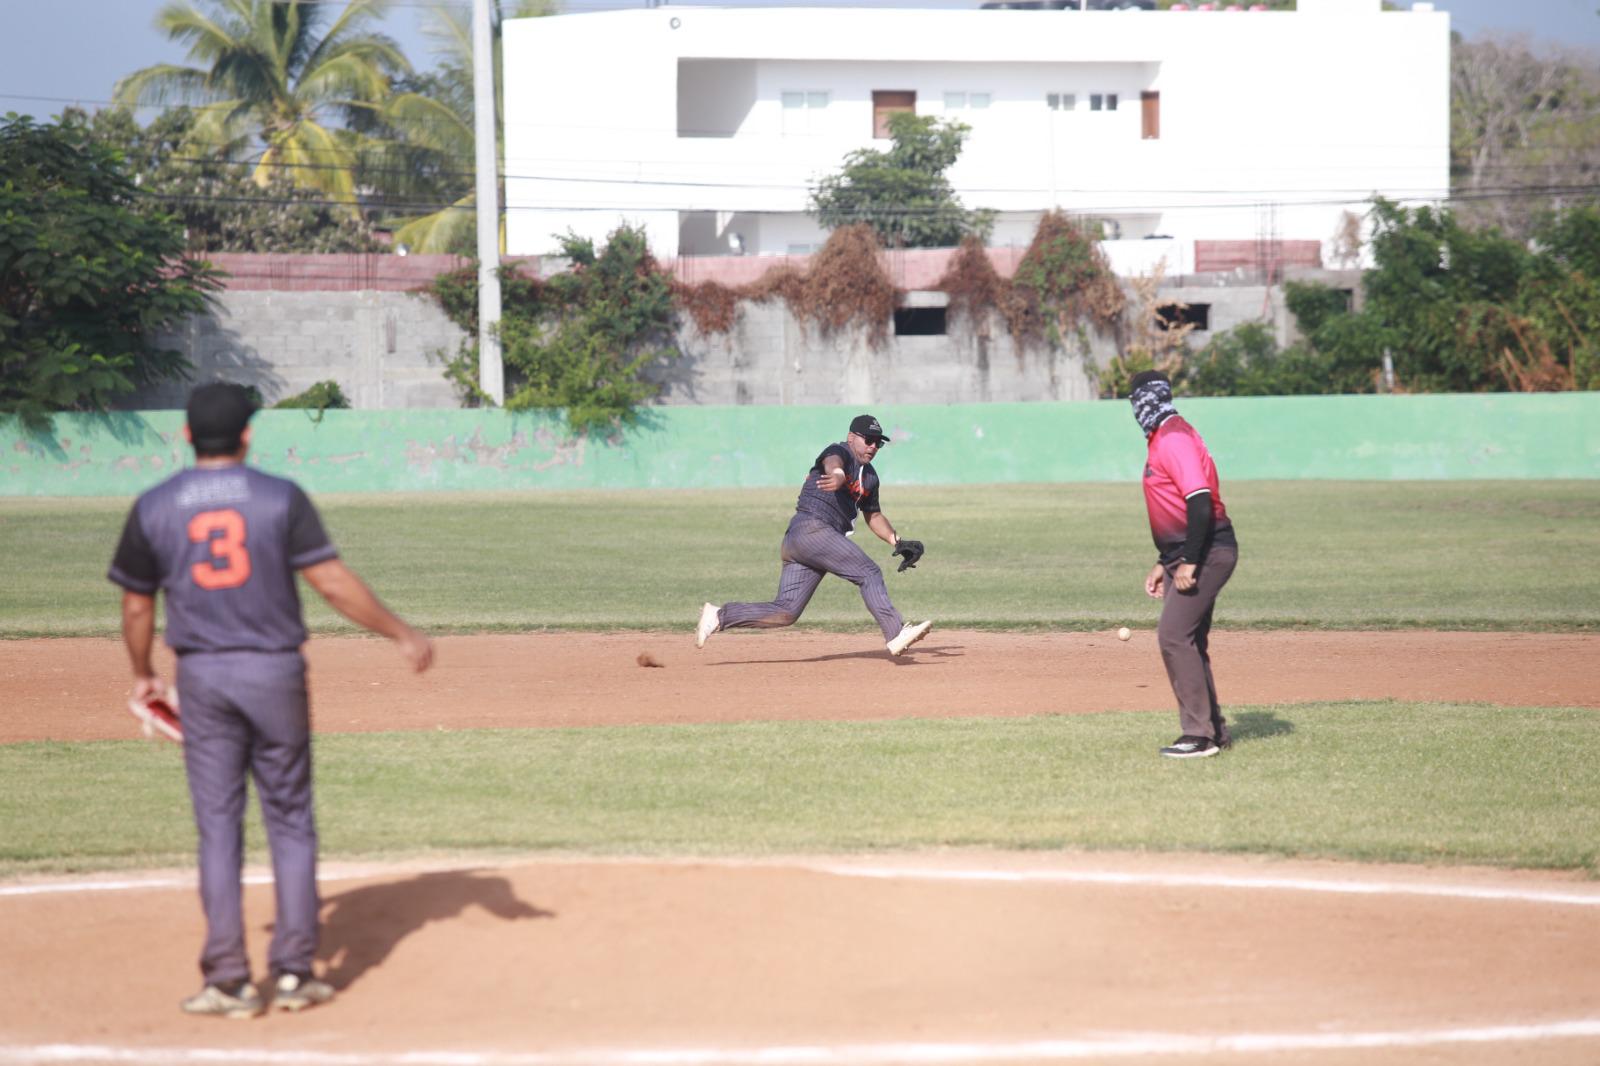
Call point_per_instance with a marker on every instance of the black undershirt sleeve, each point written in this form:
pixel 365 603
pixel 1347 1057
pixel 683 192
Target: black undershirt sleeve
pixel 1199 532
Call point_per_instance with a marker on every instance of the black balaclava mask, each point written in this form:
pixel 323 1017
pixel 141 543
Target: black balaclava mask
pixel 1152 403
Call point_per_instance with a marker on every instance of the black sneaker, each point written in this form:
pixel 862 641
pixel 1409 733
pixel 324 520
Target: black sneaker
pixel 1187 747
pixel 1224 738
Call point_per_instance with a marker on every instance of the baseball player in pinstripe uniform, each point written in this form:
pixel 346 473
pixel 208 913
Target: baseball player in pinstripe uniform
pixel 841 481
pixel 224 541
pixel 1198 551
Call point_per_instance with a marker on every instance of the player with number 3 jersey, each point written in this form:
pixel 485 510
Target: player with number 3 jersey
pixel 224 541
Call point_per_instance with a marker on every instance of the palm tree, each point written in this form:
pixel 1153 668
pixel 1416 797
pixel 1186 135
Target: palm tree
pixel 270 78
pixel 441 121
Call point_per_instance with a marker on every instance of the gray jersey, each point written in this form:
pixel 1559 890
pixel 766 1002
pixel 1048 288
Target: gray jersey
pixel 838 508
pixel 224 543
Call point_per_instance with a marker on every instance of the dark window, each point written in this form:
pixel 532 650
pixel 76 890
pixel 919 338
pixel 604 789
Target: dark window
pixel 1170 316
pixel 919 322
pixel 1349 298
pixel 1150 105
pixel 886 103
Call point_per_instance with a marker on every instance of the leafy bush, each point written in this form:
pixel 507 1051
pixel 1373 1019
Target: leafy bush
pixel 1457 309
pixel 608 317
pixel 579 341
pixel 1062 282
pixel 320 397
pixel 86 281
pixel 1245 361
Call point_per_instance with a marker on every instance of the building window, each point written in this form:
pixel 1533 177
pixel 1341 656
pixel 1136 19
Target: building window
pixel 919 322
pixel 1150 115
pixel 1061 101
pixel 1102 101
pixel 890 102
pixel 800 110
pixel 966 101
pixel 1171 316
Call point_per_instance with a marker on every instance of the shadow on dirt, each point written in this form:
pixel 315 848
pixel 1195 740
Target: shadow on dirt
pixel 363 926
pixel 924 651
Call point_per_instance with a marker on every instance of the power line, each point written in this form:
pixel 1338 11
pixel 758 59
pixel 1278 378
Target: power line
pixel 879 210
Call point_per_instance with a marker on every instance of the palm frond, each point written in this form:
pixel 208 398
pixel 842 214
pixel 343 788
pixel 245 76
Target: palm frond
pixel 342 75
pixel 320 161
pixel 162 84
pixel 449 230
pixel 204 37
pixel 430 123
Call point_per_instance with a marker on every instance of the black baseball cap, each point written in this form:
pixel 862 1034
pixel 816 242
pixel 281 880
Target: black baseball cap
pixel 217 414
pixel 868 427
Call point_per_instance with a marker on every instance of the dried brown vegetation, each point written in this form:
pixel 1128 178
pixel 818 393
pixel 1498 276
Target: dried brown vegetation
pixel 845 286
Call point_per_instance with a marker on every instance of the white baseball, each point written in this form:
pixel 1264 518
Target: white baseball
pixel 1124 633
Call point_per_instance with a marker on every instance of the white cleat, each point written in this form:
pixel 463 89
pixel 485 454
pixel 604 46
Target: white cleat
pixel 709 624
pixel 908 636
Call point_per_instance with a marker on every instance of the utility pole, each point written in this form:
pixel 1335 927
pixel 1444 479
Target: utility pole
pixel 491 373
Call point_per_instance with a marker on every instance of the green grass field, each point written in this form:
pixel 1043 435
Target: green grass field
pixel 1339 555
pixel 1368 781
pixel 1374 781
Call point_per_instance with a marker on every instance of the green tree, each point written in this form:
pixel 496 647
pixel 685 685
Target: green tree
pixel 902 192
pixel 426 129
pixel 220 206
pixel 86 281
pixel 1459 309
pixel 579 341
pixel 278 77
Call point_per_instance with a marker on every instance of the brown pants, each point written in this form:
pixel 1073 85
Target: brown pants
pixel 1184 635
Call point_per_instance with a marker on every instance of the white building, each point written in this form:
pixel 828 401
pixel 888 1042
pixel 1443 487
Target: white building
pixel 708 125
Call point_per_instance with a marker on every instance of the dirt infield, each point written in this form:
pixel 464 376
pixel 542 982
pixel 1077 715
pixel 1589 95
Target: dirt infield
pixel 895 959
pixel 71 689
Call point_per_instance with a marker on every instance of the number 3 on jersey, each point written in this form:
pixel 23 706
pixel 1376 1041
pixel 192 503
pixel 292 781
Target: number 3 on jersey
pixel 224 532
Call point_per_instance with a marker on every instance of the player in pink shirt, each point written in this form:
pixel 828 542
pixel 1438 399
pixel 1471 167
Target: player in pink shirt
pixel 1197 552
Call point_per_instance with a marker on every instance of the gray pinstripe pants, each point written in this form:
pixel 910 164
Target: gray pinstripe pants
pixel 247 713
pixel 812 548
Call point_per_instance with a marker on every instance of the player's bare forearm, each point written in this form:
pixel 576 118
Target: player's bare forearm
pixel 139 632
pixel 880 525
pixel 350 596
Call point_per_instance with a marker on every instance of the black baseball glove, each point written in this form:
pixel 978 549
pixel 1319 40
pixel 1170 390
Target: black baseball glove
pixel 911 549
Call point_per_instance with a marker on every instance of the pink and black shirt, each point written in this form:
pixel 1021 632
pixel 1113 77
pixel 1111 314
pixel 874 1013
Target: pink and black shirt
pixel 1177 467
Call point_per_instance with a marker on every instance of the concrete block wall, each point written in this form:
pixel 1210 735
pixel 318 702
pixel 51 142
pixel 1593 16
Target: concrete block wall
pixel 770 358
pixel 385 350
pixel 382 347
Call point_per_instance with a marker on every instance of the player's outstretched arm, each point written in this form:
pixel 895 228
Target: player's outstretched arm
pixel 349 595
pixel 880 525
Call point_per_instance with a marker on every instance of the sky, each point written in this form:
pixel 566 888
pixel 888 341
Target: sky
pixel 57 52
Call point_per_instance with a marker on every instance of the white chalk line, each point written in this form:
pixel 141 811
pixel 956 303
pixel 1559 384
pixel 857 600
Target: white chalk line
pixel 1286 884
pixel 887 1054
pixel 46 888
pixel 1342 886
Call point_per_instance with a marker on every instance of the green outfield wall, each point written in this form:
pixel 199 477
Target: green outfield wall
pixel 1553 435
